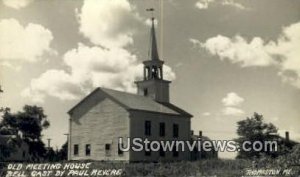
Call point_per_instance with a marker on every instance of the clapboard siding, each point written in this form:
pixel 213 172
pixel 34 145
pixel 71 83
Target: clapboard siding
pixel 101 122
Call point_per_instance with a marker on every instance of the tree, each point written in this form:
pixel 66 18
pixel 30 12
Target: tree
pixel 63 152
pixel 7 144
pixel 254 129
pixel 51 155
pixel 29 124
pixel 57 155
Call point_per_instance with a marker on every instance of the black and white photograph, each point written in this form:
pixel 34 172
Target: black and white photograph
pixel 156 88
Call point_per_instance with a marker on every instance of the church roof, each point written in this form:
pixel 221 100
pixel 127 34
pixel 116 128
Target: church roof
pixel 197 137
pixel 136 102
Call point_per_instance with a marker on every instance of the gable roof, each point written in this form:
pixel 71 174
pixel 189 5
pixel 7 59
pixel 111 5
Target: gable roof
pixel 283 139
pixel 135 102
pixel 197 137
pixel 177 109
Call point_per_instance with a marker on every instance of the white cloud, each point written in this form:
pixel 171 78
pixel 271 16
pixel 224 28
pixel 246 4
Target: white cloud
pixel 16 4
pixel 23 43
pixel 233 4
pixel 148 22
pixel 113 68
pixel 232 99
pixel 288 51
pixel 196 43
pixel 203 4
pixel 232 111
pixel 283 53
pixel 56 83
pixel 107 22
pixel 206 114
pixel 90 67
pixel 238 50
pixel 168 73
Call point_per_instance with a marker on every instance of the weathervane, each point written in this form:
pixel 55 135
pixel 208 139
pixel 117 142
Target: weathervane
pixel 152 12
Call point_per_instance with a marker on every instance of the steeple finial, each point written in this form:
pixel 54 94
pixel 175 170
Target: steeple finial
pixel 153 52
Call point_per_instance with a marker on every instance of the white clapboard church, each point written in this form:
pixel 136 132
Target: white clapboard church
pixel 103 116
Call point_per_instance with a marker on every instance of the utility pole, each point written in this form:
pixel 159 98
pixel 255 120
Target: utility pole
pixel 69 146
pixel 49 141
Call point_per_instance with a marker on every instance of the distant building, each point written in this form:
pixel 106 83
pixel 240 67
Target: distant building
pixel 198 155
pixel 285 144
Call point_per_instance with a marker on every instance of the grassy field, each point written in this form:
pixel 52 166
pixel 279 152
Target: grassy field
pixel 224 168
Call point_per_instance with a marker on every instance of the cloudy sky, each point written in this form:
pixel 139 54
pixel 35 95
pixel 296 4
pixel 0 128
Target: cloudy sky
pixel 226 58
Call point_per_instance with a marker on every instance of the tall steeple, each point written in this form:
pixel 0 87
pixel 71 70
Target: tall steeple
pixel 153 48
pixel 153 85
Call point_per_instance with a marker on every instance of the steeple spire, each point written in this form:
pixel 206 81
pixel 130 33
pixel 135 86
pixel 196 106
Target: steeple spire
pixel 153 52
pixel 153 46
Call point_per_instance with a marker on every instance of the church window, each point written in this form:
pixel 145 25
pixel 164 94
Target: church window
pixel 107 147
pixel 120 152
pixel 76 149
pixel 107 150
pixel 162 127
pixel 145 92
pixel 175 130
pixel 148 127
pixel 148 153
pixel 175 153
pixel 88 150
pixel 162 153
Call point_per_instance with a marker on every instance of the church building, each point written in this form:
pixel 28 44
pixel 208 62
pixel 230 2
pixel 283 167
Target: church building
pixel 97 121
